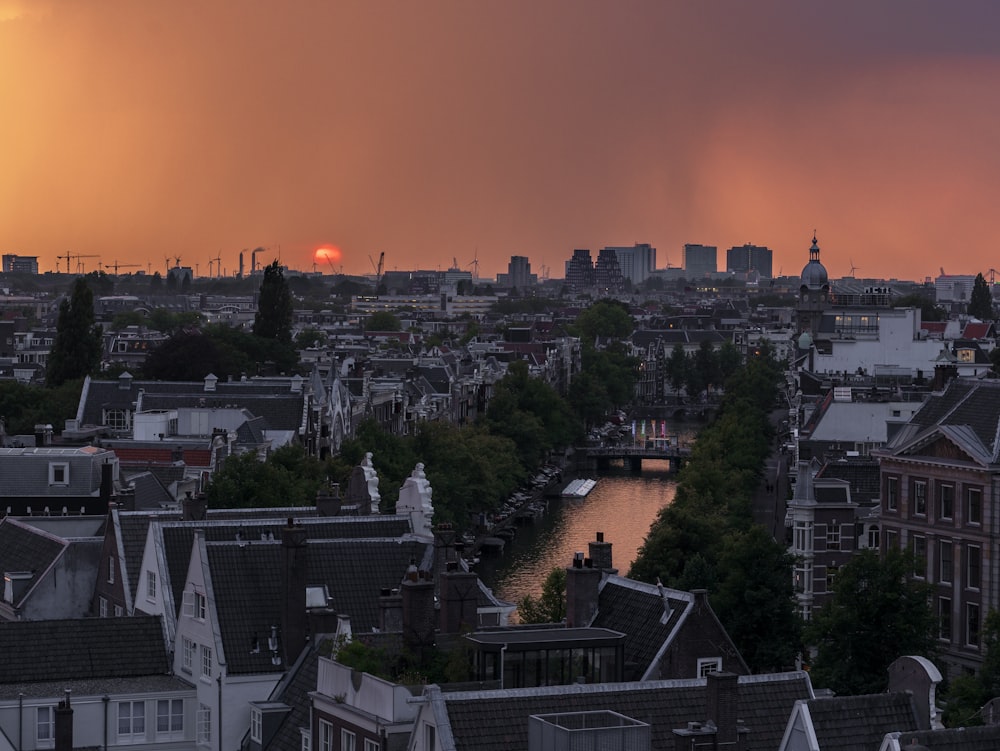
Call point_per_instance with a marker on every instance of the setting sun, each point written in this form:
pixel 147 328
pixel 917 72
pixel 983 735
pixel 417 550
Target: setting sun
pixel 329 254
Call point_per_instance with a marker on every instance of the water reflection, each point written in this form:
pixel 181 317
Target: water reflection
pixel 622 505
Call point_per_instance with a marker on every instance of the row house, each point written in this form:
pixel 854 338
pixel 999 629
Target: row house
pixel 940 485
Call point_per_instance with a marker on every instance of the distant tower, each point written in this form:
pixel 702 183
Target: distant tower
pixel 241 264
pixel 519 272
pixel 607 272
pixel 814 293
pixel 580 269
pixel 700 260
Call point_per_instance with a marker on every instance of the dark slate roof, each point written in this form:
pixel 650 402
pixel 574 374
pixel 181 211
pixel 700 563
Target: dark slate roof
pixel 861 474
pixel 134 527
pixel 986 738
pixel 24 548
pixel 293 690
pixel 82 648
pixel 498 720
pixel 246 583
pixel 149 491
pixel 636 610
pixel 850 723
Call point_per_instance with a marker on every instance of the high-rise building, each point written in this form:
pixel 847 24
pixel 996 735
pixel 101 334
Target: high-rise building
pixel 519 272
pixel 636 262
pixel 607 272
pixel 14 264
pixel 700 260
pixel 743 259
pixel 580 269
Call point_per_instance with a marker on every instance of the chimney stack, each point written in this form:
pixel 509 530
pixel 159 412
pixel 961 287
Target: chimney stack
pixel 417 592
pixel 600 554
pixel 64 725
pixel 194 508
pixel 294 554
pixel 459 600
pixel 583 583
pixel 390 611
pixel 722 695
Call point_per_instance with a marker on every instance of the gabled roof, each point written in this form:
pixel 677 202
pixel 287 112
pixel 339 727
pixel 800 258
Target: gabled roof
pixel 293 690
pixel 498 720
pixel 246 583
pixel 82 648
pixel 854 723
pixel 24 548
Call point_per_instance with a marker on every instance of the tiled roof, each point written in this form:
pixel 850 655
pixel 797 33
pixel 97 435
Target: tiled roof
pixel 636 610
pixel 861 474
pixel 25 548
pixel 850 723
pixel 498 720
pixel 986 738
pixel 133 527
pixel 246 582
pixel 73 649
pixel 294 690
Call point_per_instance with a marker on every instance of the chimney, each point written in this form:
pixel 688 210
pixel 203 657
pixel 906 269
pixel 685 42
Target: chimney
pixel 390 611
pixel 417 591
pixel 64 725
pixel 722 694
pixel 600 554
pixel 459 600
pixel 294 570
pixel 328 501
pixel 194 508
pixel 583 583
pixel 107 480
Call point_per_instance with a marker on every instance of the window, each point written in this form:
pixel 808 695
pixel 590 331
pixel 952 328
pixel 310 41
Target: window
pixel 946 501
pixel 119 611
pixel 348 741
pixel 972 624
pixel 170 717
pixel 973 566
pixel 307 740
pixel 195 605
pixel 150 585
pixel 325 736
pixel 204 725
pixel 116 419
pixel 891 539
pixel 920 498
pixel 919 549
pixel 873 537
pixel 255 725
pixel 206 661
pixel 831 574
pixel 833 537
pixel 131 721
pixel 111 569
pixel 803 541
pixel 371 745
pixel 187 655
pixel 945 562
pixel 708 665
pixel 974 505
pixel 102 605
pixel 891 493
pixel 58 473
pixel 45 725
pixel 944 618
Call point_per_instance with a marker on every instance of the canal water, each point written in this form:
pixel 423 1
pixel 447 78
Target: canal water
pixel 622 505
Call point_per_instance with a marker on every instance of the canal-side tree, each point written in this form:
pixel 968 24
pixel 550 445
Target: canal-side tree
pixel 76 350
pixel 605 318
pixel 550 605
pixel 877 613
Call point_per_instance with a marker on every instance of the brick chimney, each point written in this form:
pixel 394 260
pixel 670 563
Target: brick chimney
pixel 64 725
pixel 194 508
pixel 390 611
pixel 600 555
pixel 294 558
pixel 417 592
pixel 583 583
pixel 459 599
pixel 328 501
pixel 722 694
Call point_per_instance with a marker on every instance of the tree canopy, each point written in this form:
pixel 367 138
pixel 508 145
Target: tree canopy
pixel 550 605
pixel 607 318
pixel 76 350
pixel 981 301
pixel 274 306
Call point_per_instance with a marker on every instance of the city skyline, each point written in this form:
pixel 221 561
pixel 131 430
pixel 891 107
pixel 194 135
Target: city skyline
pixel 447 130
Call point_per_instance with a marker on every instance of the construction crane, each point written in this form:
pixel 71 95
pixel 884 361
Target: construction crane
pixel 68 256
pixel 378 268
pixel 475 265
pixel 117 266
pixel 80 268
pixel 218 265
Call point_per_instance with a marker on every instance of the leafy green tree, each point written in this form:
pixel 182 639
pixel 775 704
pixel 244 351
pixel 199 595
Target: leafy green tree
pixel 755 601
pixel 383 320
pixel 76 351
pixel 876 614
pixel 190 355
pixel 23 406
pixel 309 337
pixel 170 322
pixel 969 693
pixel 550 605
pixel 706 362
pixel 274 306
pixel 289 477
pixel 677 367
pixel 127 318
pixel 607 318
pixel 928 310
pixel 981 301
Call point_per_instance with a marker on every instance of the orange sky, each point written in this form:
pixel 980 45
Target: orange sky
pixel 437 129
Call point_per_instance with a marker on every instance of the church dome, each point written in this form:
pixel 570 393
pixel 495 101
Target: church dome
pixel 814 274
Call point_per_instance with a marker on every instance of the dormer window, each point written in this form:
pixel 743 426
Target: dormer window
pixel 58 473
pixel 195 605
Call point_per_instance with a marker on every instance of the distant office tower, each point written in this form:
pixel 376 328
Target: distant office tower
pixel 636 263
pixel 699 260
pixel 14 264
pixel 519 272
pixel 580 269
pixel 743 259
pixel 607 272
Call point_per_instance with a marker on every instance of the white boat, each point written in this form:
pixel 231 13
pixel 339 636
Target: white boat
pixel 578 488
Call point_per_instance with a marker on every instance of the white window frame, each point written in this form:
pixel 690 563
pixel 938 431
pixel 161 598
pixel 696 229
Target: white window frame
pixel 969 556
pixel 325 735
pixel 708 665
pixel 45 726
pixel 978 493
pixel 150 585
pixel 833 537
pixel 204 725
pixel 892 493
pixel 920 498
pixel 256 722
pixel 307 740
pixel 946 567
pixel 111 569
pixel 206 661
pixel 102 606
pixel 371 745
pixel 59 468
pixel 195 605
pixel 131 718
pixel 944 489
pixel 119 611
pixel 171 713
pixel 348 740
pixel 187 655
